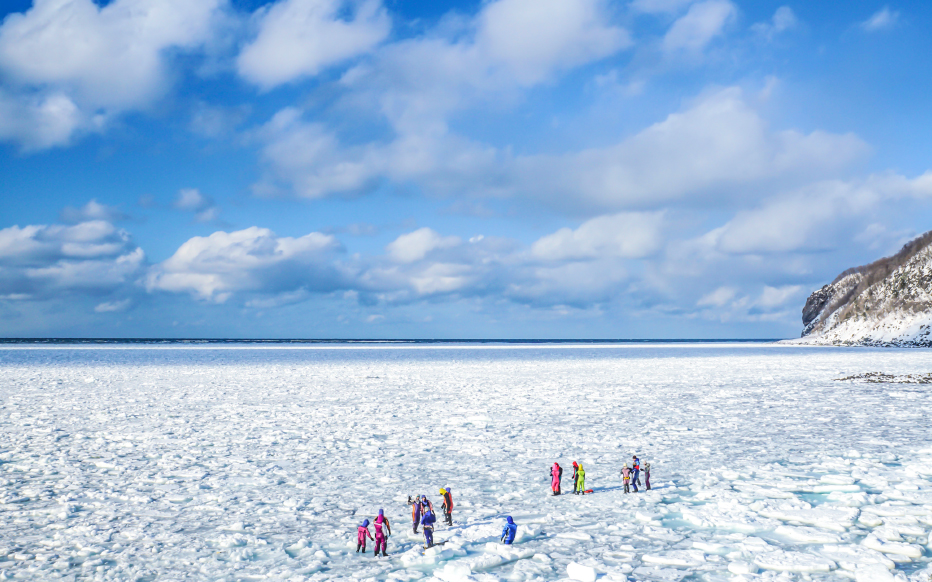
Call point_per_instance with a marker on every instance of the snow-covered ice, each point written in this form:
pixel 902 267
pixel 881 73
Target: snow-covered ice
pixel 257 462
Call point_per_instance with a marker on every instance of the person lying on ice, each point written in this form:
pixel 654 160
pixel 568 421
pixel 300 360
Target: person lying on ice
pixel 581 480
pixel 447 506
pixel 428 522
pixel 626 476
pixel 361 532
pixel 379 534
pixel 415 510
pixel 556 473
pixel 647 475
pixel 508 533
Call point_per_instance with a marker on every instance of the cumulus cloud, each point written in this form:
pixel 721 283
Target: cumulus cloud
pixel 700 25
pixel 532 38
pixel 253 260
pixel 628 235
pixel 717 298
pixel 38 261
pixel 811 218
pixel 414 246
pixel 203 207
pixel 93 210
pixel 39 121
pixel 713 150
pixel 70 63
pixel 883 19
pixel 783 19
pixel 299 38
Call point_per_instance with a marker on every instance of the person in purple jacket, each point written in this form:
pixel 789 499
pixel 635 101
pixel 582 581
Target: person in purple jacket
pixel 428 522
pixel 361 532
pixel 415 510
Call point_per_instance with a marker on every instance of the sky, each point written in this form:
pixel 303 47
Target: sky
pixel 452 169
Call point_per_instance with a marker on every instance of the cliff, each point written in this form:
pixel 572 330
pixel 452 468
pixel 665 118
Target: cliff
pixel 885 303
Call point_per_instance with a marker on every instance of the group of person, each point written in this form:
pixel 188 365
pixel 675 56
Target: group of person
pixel 422 510
pixel 629 476
pixel 579 478
pixel 632 475
pixel 380 538
pixel 422 513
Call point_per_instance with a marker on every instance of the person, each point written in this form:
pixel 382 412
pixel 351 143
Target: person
pixel 626 476
pixel 581 480
pixel 428 522
pixel 556 473
pixel 361 532
pixel 575 478
pixel 415 510
pixel 447 506
pixel 636 465
pixel 508 533
pixel 379 534
pixel 647 475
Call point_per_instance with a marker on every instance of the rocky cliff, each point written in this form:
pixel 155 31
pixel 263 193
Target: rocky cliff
pixel 885 303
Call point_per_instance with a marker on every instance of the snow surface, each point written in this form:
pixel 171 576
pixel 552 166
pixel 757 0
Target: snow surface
pixel 257 463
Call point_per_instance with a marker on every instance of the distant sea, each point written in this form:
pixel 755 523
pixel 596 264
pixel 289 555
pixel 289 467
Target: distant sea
pixel 66 341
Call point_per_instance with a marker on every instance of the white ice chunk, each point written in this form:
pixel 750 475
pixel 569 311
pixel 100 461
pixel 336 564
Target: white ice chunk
pixel 784 561
pixel 807 535
pixel 850 557
pixel 908 550
pixel 877 573
pixel 681 558
pixel 579 572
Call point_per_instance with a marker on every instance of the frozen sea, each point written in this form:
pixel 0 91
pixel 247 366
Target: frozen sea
pixel 256 462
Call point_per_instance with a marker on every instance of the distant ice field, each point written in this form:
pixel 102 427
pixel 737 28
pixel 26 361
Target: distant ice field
pixel 258 462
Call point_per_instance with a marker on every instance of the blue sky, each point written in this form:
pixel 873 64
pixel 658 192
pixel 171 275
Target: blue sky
pixel 510 168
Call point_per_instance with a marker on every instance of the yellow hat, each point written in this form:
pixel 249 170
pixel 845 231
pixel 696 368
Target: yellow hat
pixel 443 491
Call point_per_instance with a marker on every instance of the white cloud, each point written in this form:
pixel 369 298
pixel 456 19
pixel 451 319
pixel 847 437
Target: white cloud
pixel 70 63
pixel 717 298
pixel 811 218
pixel 203 207
pixel 883 19
pixel 93 210
pixel 299 38
pixel 253 260
pixel 414 246
pixel 532 38
pixel 39 121
pixel 113 306
pixel 712 151
pixel 772 297
pixel 628 235
pixel 702 22
pixel 783 19
pixel 41 260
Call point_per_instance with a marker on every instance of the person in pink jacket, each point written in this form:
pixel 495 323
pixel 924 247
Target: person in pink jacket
pixel 361 533
pixel 626 477
pixel 380 522
pixel 556 473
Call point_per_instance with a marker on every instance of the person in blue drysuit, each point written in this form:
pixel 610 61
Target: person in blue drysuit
pixel 637 473
pixel 508 533
pixel 428 522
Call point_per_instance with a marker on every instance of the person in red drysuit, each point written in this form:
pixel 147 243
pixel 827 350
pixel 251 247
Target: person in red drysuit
pixel 361 532
pixel 556 473
pixel 447 506
pixel 379 534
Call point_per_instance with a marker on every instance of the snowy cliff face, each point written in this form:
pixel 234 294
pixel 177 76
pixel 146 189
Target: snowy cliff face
pixel 888 302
